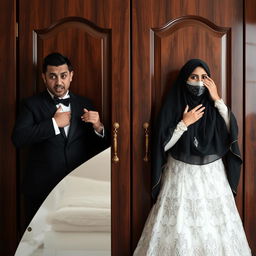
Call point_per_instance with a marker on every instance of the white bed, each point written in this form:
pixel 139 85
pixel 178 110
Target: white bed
pixel 91 244
pixel 75 219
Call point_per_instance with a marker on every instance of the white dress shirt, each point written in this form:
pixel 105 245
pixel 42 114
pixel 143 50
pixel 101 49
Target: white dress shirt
pixel 65 108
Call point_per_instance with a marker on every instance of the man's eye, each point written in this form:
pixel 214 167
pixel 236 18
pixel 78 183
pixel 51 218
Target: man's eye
pixel 63 76
pixel 52 77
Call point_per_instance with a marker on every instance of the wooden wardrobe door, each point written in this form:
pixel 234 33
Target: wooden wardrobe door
pixel 250 124
pixel 8 208
pixel 95 36
pixel 167 33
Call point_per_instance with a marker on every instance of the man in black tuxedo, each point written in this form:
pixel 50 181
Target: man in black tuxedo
pixel 62 130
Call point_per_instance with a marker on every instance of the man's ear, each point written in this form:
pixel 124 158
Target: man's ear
pixel 71 75
pixel 44 77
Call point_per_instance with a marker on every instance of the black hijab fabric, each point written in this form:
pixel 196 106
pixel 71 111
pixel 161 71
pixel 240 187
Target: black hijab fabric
pixel 205 141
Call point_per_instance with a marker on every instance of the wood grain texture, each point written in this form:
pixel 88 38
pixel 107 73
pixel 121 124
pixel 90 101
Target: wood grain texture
pixel 91 59
pixel 171 49
pixel 121 183
pixel 100 69
pixel 151 81
pixel 8 214
pixel 250 123
pixel 115 15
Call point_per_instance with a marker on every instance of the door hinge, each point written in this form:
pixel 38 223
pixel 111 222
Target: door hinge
pixel 17 30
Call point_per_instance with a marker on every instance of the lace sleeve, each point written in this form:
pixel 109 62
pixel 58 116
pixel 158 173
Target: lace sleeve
pixel 179 130
pixel 223 110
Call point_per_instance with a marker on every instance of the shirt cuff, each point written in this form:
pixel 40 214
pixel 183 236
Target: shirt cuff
pixel 100 134
pixel 179 130
pixel 181 126
pixel 219 103
pixel 55 126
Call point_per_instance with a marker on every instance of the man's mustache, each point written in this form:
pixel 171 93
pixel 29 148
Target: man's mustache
pixel 59 86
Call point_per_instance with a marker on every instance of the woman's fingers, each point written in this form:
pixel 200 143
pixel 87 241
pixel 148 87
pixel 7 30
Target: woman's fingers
pixel 212 88
pixel 209 83
pixel 193 115
pixel 208 78
pixel 200 115
pixel 199 107
pixel 186 109
pixel 198 112
pixel 206 85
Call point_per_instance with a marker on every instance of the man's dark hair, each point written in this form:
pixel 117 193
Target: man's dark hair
pixel 56 59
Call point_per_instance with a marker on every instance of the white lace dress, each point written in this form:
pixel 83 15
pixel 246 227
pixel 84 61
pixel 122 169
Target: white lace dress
pixel 195 213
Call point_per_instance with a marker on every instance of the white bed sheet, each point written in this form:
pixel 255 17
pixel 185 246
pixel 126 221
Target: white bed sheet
pixel 86 192
pixel 62 243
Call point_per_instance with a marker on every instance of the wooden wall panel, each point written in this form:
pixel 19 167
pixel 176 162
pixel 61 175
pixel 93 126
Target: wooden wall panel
pixel 250 123
pixel 8 220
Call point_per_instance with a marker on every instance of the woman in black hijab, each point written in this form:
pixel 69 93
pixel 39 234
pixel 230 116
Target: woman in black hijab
pixel 195 212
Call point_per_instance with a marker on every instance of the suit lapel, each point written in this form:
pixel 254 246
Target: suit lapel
pixel 62 131
pixel 74 115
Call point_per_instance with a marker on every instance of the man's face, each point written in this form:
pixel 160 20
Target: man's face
pixel 57 79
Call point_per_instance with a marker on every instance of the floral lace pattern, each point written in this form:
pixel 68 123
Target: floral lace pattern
pixel 195 215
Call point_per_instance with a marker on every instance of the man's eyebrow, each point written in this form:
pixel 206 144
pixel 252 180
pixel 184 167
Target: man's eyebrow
pixel 52 73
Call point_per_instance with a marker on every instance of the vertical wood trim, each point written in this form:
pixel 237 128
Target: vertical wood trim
pixel 8 215
pixel 120 171
pixel 250 123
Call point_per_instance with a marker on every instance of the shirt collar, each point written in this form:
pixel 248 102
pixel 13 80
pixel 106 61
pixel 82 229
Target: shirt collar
pixel 64 97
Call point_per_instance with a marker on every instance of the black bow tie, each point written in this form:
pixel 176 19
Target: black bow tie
pixel 65 102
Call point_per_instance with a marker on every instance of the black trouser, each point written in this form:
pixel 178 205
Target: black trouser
pixel 32 205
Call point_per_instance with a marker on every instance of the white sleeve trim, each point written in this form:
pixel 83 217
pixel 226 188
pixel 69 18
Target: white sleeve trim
pixel 179 130
pixel 223 110
pixel 55 126
pixel 99 134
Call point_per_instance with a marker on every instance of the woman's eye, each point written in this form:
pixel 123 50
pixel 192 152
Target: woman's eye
pixel 193 77
pixel 204 77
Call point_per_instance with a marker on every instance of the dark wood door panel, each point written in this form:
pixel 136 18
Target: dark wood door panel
pixel 95 36
pixel 89 48
pixel 8 221
pixel 165 35
pixel 250 124
pixel 171 46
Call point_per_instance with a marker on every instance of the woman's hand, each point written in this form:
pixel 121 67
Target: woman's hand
pixel 190 117
pixel 212 88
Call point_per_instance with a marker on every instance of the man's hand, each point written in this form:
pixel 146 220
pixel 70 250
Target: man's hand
pixel 94 118
pixel 62 118
pixel 190 117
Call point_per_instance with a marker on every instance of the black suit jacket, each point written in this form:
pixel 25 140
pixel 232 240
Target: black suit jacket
pixel 52 156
